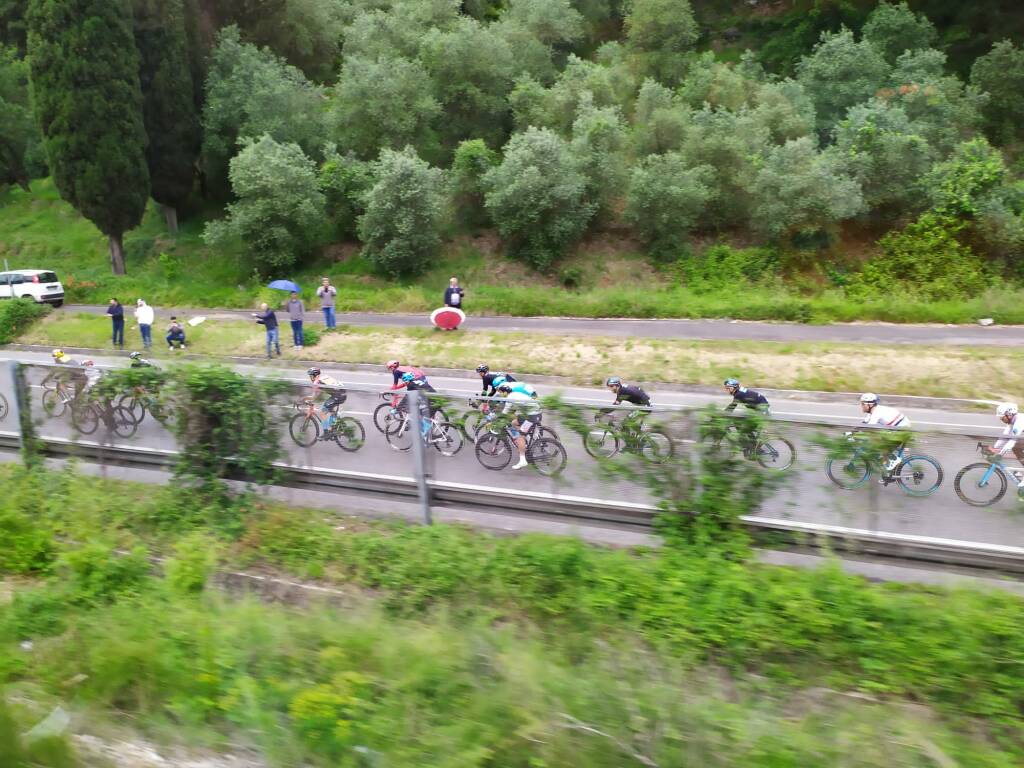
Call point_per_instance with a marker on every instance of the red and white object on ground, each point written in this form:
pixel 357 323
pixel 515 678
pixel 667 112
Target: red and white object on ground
pixel 447 318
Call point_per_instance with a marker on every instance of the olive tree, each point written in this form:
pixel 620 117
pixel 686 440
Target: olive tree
pixel 660 33
pixel 1000 73
pixel 598 145
pixel 957 185
pixel 279 211
pixel 403 213
pixel 537 196
pixel 666 200
pixel 893 28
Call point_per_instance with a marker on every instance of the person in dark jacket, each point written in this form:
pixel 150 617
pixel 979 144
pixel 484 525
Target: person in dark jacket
pixel 175 334
pixel 268 320
pixel 116 312
pixel 453 294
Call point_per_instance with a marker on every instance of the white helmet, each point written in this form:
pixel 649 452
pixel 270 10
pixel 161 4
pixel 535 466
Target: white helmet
pixel 869 397
pixel 1006 409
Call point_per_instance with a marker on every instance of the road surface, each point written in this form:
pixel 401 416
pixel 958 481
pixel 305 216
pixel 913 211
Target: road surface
pixel 806 495
pixel 696 330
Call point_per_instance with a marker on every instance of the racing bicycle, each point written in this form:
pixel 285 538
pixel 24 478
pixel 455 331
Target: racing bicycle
pixel 984 482
pixel 608 436
pixel 383 416
pixel 768 450
pixel 445 437
pixel 307 427
pixel 495 448
pixel 916 474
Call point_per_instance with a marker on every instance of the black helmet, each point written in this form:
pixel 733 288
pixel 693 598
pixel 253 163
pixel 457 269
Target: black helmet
pixel 505 387
pixel 135 356
pixel 613 381
pixel 483 368
pixel 313 372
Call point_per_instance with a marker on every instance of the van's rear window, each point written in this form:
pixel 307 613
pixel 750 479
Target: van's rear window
pixel 47 277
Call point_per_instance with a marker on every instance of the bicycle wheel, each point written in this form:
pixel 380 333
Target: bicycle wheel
pixel 919 475
pixel 446 438
pixel 382 417
pixel 401 433
pixel 348 433
pixel 53 404
pixel 655 445
pixel 773 452
pixel 980 484
pixel 601 442
pixel 849 473
pixel 547 455
pixel 304 429
pixel 85 419
pixel 472 425
pixel 4 408
pixel 493 451
pixel 134 405
pixel 122 422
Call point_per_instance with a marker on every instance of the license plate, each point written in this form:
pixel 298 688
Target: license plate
pixel 52 287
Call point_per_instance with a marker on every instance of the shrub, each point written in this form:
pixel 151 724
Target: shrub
pixel 403 212
pixel 472 160
pixel 16 315
pixel 26 545
pixel 95 574
pixel 195 557
pixel 310 335
pixel 721 267
pixel 666 199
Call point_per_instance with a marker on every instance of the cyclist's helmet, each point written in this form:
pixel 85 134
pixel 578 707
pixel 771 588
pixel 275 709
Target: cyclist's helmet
pixel 505 387
pixel 870 398
pixel 58 354
pixel 483 368
pixel 407 377
pixel 392 364
pixel 1006 409
pixel 313 372
pixel 88 363
pixel 613 381
pixel 731 382
pixel 135 356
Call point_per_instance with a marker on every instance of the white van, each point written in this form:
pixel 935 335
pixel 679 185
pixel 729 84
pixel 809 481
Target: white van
pixel 40 285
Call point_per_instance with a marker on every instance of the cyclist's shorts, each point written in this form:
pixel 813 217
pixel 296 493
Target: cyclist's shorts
pixel 337 397
pixel 525 425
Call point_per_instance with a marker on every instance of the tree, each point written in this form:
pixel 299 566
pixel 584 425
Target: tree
pixel 660 33
pixel 344 180
pixel 251 92
pixel 89 109
pixel 660 122
pixel 20 150
pixel 538 32
pixel 598 145
pixel 666 199
pixel 168 106
pixel 956 186
pixel 1000 73
pixel 403 214
pixel 537 196
pixel 473 159
pixel 894 28
pixel 784 108
pixel 798 190
pixel 839 73
pixel 717 84
pixel 279 211
pixel 886 156
pixel 385 104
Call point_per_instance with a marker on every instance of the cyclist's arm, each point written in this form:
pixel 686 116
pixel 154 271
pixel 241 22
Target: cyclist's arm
pixel 732 406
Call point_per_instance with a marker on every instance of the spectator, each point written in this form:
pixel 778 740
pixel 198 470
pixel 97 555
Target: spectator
pixel 296 311
pixel 116 312
pixel 144 316
pixel 326 292
pixel 268 319
pixel 453 294
pixel 175 333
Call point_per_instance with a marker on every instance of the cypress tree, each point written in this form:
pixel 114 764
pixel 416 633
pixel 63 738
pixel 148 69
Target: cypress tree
pixel 85 76
pixel 168 108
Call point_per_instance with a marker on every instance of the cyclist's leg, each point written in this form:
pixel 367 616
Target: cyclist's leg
pixel 1018 452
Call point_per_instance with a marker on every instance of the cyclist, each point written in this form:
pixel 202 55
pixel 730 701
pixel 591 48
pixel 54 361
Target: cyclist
pixel 750 398
pixel 491 381
pixel 414 383
pixel 336 394
pixel 633 420
pixel 525 413
pixel 138 361
pixel 398 371
pixel 886 417
pixel 1013 440
pixel 77 379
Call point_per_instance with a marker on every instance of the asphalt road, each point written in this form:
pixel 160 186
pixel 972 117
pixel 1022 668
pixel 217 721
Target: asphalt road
pixel 698 330
pixel 806 495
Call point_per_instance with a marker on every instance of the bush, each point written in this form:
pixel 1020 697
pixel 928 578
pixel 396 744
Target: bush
pixel 721 267
pixel 95 574
pixel 666 199
pixel 16 315
pixel 26 545
pixel 310 335
pixel 195 557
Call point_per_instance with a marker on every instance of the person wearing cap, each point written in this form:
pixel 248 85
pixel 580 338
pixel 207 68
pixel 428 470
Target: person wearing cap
pixel 175 334
pixel 1012 442
pixel 144 316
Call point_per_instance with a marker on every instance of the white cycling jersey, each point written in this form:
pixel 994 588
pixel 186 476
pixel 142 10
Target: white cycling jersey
pixel 886 416
pixel 519 401
pixel 1013 432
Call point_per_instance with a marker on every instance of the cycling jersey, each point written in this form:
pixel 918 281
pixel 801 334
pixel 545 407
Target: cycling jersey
pixel 1013 432
pixel 398 373
pixel 328 382
pixel 633 395
pixel 886 416
pixel 521 402
pixel 749 398
pixel 524 389
pixel 492 381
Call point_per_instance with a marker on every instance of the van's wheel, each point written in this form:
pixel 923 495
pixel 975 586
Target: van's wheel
pixel 57 304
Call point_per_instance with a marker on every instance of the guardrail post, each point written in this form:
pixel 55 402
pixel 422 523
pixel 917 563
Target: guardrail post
pixel 419 453
pixel 22 406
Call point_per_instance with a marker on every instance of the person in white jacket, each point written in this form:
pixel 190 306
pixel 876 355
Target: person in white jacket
pixel 144 316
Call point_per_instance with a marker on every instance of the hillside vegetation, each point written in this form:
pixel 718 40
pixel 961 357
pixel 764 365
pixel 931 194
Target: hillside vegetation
pixel 837 154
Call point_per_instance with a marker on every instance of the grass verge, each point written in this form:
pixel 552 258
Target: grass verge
pixel 987 373
pixel 39 230
pixel 459 648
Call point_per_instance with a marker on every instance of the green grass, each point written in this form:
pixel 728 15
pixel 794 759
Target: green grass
pixel 38 230
pixel 984 373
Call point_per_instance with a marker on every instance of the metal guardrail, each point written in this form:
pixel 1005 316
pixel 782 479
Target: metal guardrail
pixel 828 537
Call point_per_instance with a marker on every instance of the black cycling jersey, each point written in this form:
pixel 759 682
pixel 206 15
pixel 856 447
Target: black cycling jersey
pixel 419 384
pixel 748 397
pixel 490 378
pixel 633 395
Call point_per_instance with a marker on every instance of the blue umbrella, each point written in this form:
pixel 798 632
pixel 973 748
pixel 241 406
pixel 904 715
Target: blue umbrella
pixel 284 285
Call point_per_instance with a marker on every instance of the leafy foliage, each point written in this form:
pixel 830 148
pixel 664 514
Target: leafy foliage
pixel 666 199
pixel 894 28
pixel 472 160
pixel 20 142
pixel 16 315
pixel 662 32
pixel 956 185
pixel 1000 74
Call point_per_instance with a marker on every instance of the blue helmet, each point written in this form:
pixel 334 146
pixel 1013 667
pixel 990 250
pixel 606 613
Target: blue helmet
pixel 407 377
pixel 731 382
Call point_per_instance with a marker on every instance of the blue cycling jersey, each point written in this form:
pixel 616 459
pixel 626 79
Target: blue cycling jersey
pixel 524 389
